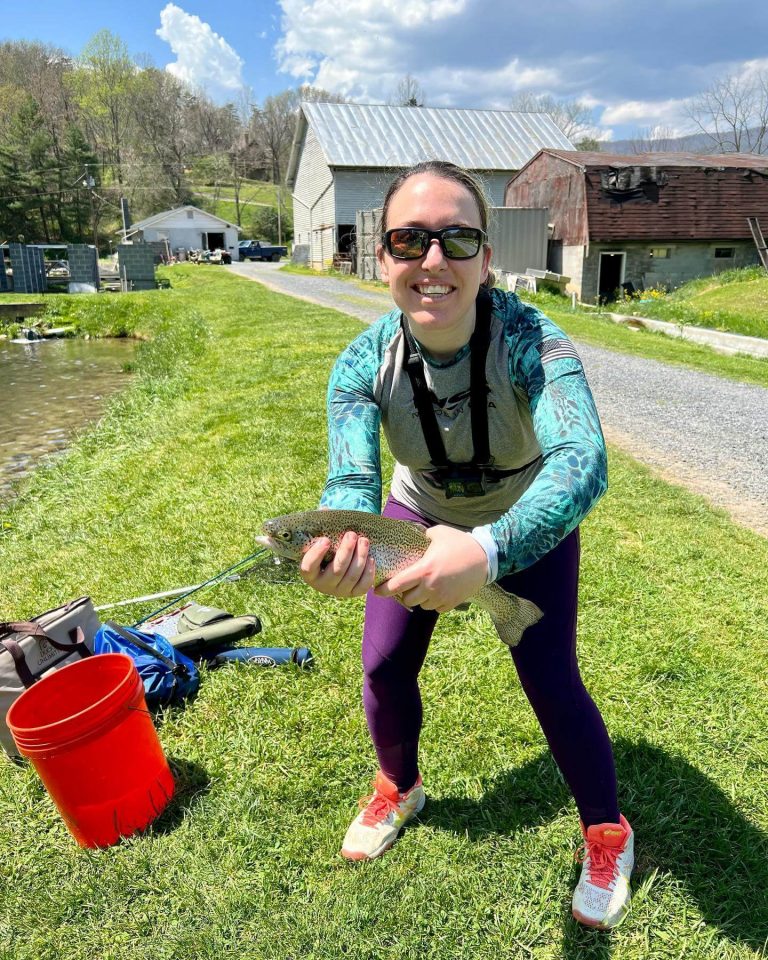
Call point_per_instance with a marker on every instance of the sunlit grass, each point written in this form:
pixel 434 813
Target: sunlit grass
pixel 735 301
pixel 171 487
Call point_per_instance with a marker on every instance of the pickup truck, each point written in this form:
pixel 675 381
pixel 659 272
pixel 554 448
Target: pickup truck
pixel 259 250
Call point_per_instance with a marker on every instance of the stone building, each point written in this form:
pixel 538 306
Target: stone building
pixel 646 220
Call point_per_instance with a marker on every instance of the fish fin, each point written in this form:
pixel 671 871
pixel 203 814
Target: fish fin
pixel 511 631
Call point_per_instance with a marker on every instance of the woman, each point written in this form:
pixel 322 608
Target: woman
pixel 500 458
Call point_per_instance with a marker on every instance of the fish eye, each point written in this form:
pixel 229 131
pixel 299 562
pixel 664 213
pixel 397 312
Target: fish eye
pixel 283 535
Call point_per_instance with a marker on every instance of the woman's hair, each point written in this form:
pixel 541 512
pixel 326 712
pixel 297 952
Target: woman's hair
pixel 447 171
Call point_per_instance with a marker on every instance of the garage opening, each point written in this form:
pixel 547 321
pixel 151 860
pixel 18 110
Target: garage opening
pixel 214 241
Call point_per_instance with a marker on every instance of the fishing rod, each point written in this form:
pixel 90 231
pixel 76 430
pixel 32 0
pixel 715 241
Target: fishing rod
pixel 181 593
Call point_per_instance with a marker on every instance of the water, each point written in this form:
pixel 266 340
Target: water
pixel 49 390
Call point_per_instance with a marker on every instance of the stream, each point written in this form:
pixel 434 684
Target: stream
pixel 49 390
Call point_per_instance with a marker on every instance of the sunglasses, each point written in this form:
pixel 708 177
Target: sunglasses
pixel 457 243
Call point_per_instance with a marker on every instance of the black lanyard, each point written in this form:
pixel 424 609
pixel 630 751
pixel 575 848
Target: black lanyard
pixel 478 390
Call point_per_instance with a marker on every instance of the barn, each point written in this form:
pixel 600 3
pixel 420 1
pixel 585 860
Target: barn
pixel 646 220
pixel 186 228
pixel 345 155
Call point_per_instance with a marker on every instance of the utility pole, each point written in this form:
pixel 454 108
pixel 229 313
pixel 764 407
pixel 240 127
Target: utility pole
pixel 91 183
pixel 279 219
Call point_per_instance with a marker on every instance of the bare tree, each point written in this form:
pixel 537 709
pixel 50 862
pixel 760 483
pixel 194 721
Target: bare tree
pixel 658 139
pixel 310 94
pixel 408 93
pixel 572 116
pixel 273 124
pixel 733 113
pixel 158 111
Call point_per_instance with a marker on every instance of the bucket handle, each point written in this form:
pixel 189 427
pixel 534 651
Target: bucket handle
pixel 34 629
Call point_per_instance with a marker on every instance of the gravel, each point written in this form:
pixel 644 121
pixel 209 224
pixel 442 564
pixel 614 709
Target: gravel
pixel 704 432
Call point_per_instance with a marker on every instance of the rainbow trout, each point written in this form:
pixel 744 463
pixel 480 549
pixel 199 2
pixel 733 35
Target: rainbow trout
pixel 395 545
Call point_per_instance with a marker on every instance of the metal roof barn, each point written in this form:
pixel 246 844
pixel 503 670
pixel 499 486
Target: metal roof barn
pixel 364 135
pixel 344 156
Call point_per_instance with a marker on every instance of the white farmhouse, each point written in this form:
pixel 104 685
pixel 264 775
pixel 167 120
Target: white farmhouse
pixel 188 228
pixel 345 155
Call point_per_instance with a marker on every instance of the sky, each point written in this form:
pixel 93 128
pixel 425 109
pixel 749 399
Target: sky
pixel 633 64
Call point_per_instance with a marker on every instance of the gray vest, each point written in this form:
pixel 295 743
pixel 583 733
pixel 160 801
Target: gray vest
pixel 513 443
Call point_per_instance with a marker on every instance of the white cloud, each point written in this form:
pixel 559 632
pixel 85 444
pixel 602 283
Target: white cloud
pixel 648 112
pixel 480 87
pixel 317 44
pixel 753 69
pixel 203 58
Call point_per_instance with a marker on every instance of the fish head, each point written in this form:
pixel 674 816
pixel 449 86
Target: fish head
pixel 289 536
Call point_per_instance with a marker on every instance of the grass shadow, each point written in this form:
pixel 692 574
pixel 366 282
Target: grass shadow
pixel 192 782
pixel 685 825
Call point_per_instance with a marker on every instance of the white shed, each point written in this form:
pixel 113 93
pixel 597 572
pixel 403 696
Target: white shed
pixel 345 155
pixel 189 228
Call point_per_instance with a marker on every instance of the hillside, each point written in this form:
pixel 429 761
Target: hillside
pixel 256 197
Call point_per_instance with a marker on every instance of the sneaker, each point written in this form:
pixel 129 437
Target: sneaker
pixel 602 895
pixel 381 817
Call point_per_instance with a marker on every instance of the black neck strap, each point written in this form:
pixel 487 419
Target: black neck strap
pixel 478 349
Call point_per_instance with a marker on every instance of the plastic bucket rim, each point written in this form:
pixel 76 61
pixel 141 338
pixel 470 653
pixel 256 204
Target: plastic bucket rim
pixel 46 734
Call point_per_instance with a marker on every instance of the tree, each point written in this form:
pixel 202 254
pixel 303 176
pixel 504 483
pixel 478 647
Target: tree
pixel 263 224
pixel 408 93
pixel 158 114
pixel 273 125
pixel 573 117
pixel 658 139
pixel 104 82
pixel 77 157
pixel 733 113
pixel 29 173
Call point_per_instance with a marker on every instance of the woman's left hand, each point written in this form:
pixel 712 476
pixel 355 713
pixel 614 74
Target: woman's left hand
pixel 452 570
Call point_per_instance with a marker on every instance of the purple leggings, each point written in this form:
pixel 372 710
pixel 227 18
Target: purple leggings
pixel 395 643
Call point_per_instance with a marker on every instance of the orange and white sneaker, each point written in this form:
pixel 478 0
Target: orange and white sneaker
pixel 381 817
pixel 602 895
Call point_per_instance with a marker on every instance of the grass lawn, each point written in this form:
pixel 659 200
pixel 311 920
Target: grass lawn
pixel 223 427
pixel 735 301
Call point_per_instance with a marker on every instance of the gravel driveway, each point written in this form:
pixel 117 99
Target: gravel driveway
pixel 704 432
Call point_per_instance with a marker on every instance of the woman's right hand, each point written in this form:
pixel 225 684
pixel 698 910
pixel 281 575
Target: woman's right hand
pixel 349 574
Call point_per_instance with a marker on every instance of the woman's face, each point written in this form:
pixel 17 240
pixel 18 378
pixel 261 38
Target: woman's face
pixel 435 293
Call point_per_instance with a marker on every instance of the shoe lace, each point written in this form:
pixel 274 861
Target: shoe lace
pixel 377 807
pixel 602 868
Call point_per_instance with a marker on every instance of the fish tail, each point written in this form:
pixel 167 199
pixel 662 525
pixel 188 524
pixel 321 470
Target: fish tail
pixel 511 630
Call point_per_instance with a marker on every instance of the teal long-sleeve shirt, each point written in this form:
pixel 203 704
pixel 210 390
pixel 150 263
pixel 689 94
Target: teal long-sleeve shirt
pixel 542 423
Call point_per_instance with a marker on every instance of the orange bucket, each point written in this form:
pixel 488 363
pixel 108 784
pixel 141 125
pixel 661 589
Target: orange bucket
pixel 87 731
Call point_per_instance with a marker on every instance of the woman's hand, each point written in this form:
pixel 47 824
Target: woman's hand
pixel 349 574
pixel 452 570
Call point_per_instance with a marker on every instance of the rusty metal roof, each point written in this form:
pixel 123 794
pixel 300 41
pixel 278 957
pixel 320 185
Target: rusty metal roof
pixel 584 158
pixel 372 135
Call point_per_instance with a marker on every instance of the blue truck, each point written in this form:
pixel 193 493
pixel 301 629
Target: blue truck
pixel 260 250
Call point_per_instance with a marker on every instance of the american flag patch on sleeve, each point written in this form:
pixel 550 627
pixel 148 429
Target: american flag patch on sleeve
pixel 557 350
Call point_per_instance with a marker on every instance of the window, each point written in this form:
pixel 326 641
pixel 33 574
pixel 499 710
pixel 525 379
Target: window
pixel 660 253
pixel 725 253
pixel 190 214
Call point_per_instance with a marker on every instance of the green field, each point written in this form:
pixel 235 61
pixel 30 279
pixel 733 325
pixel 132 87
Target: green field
pixel 735 301
pixel 223 427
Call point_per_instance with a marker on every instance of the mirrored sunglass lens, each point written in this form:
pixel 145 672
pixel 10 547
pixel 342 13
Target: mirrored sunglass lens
pixel 407 243
pixel 461 244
